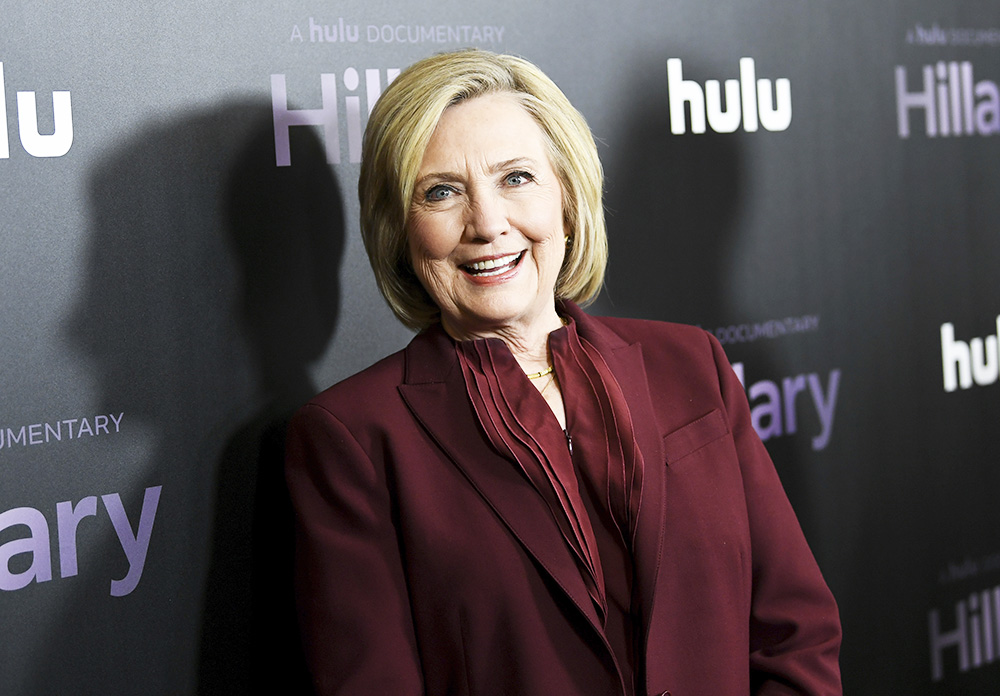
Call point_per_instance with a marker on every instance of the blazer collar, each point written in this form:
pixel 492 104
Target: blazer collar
pixel 435 392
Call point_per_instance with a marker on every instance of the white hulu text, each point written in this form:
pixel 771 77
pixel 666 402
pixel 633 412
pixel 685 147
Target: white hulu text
pixel 55 144
pixel 748 100
pixel 966 363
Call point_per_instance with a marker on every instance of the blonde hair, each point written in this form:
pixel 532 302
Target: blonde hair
pixel 401 125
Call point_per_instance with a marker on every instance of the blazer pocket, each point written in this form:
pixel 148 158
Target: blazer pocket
pixel 690 438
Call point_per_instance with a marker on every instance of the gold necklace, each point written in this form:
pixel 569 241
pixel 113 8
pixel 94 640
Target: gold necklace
pixel 540 373
pixel 548 383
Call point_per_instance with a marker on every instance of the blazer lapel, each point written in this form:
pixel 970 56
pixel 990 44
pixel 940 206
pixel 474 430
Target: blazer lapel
pixel 435 392
pixel 628 366
pixel 631 374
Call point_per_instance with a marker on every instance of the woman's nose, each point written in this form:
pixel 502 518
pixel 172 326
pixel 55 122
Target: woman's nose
pixel 487 218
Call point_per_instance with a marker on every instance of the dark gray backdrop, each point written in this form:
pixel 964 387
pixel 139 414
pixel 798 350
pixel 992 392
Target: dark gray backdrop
pixel 169 293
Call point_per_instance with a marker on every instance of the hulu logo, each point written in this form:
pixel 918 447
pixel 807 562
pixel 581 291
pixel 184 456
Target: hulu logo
pixel 748 101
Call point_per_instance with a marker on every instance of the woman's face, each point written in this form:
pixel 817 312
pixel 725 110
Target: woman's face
pixel 485 229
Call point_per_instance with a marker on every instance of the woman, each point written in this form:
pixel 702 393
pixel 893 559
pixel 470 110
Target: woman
pixel 527 499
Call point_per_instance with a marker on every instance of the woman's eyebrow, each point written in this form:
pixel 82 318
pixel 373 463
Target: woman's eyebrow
pixel 514 162
pixel 492 168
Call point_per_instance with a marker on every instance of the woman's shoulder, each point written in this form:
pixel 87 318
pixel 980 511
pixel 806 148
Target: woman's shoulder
pixel 639 328
pixel 682 341
pixel 363 391
pixel 678 354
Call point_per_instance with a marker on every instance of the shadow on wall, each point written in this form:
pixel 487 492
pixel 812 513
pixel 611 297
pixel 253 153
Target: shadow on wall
pixel 216 276
pixel 672 203
pixel 287 230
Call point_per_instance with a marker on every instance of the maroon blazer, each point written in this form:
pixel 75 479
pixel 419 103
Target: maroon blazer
pixel 428 564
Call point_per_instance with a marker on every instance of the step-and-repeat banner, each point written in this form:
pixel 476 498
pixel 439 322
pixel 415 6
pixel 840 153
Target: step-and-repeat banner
pixel 180 265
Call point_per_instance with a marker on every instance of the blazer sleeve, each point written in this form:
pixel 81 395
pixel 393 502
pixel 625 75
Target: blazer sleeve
pixel 794 622
pixel 351 591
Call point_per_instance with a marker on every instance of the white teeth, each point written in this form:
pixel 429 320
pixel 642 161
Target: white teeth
pixel 496 265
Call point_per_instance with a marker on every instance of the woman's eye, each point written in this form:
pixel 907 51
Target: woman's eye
pixel 517 178
pixel 437 193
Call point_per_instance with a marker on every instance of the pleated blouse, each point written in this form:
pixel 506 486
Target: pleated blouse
pixel 590 474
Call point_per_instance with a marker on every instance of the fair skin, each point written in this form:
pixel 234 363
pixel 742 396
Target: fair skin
pixel 485 231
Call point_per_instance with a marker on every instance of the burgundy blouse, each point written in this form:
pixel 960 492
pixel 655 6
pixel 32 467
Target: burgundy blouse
pixel 590 475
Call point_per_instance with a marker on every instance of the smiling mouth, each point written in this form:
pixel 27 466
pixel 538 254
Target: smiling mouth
pixel 492 267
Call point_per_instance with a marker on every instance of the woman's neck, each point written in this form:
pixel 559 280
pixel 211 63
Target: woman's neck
pixel 528 342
